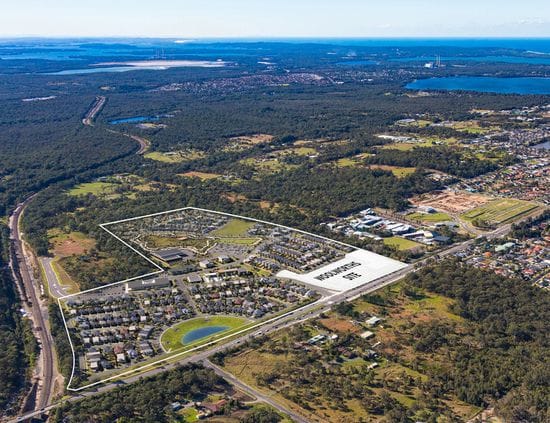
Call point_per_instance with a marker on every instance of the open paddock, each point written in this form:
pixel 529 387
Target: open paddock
pixel 174 156
pixel 398 172
pixel 94 188
pixel 204 176
pixel 67 244
pixel 500 211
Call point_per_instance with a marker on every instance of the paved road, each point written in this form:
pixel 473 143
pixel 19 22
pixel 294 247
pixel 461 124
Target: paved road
pixel 254 392
pixel 144 143
pixel 39 313
pixel 56 289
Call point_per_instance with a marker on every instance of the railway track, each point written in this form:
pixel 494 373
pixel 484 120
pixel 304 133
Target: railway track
pixel 23 272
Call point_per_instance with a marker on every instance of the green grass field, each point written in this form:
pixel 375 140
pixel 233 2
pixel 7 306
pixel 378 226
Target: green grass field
pixel 401 244
pixel 154 242
pixel 500 211
pixel 472 127
pixel 95 188
pixel 358 160
pixel 172 338
pixel 402 146
pixel 174 156
pixel 347 162
pixel 268 165
pixel 234 232
pixel 189 414
pixel 430 217
pixel 436 304
pixel 235 228
pixel 205 176
pixel 422 142
pixel 299 151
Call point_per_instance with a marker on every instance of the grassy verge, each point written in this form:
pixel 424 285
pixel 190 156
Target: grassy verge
pixel 430 217
pixel 401 244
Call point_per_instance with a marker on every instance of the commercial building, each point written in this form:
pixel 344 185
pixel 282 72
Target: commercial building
pixel 141 285
pixel 170 254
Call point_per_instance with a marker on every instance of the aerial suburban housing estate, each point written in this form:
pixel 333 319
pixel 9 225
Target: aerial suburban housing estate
pixel 243 270
pixel 275 212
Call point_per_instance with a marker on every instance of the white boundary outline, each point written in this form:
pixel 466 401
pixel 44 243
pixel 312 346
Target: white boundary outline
pixel 161 270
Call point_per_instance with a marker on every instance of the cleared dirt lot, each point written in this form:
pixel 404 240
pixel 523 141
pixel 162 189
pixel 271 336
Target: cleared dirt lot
pixel 68 244
pixel 454 202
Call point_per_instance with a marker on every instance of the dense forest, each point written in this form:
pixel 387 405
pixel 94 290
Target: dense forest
pixel 505 361
pixel 334 191
pixel 443 159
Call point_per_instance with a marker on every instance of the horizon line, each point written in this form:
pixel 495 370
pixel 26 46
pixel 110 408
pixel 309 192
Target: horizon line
pixel 282 37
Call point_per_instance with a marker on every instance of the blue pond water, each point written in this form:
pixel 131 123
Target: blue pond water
pixel 200 333
pixel 484 84
pixel 136 119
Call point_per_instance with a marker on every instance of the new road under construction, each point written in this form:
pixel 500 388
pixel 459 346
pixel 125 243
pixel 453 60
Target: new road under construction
pixel 94 110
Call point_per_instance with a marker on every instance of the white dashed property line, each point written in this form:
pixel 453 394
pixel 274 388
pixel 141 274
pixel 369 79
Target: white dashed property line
pixel 231 215
pixel 70 343
pixel 161 270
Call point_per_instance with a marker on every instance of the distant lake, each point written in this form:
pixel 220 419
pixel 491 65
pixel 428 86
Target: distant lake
pixel 484 84
pixel 543 60
pixel 113 69
pixel 203 332
pixel 136 119
pixel 352 62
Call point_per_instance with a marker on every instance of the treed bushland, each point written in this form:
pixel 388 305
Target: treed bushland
pixel 506 362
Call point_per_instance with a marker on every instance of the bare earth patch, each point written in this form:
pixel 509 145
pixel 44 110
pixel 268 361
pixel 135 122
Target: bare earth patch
pixel 339 325
pixel 451 201
pixel 65 245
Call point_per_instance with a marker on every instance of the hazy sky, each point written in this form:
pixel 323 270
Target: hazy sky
pixel 275 18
